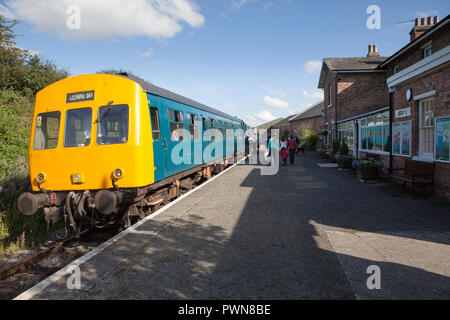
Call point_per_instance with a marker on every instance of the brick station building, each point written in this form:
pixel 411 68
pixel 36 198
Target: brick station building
pixel 310 117
pixel 418 77
pixel 395 108
pixel 356 104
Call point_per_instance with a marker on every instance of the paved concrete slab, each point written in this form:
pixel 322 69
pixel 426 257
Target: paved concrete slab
pixel 306 233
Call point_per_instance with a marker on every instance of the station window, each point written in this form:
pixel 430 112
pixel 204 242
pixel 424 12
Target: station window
pixel 112 125
pixel 177 130
pixel 374 132
pixel 78 128
pixel 156 130
pixel 47 130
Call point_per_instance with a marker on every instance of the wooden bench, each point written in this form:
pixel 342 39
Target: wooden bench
pixel 415 173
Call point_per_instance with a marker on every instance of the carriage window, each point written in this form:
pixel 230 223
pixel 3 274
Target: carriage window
pixel 113 125
pixel 193 123
pixel 47 130
pixel 212 126
pixel 156 131
pixel 177 132
pixel 78 128
pixel 220 126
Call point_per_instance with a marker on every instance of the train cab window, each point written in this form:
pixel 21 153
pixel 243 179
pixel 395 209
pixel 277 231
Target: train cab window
pixel 77 131
pixel 156 131
pixel 112 125
pixel 47 130
pixel 212 128
pixel 177 131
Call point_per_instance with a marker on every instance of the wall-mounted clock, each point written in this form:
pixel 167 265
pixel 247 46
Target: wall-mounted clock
pixel 408 95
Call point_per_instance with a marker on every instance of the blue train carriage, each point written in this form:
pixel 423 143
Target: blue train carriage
pixel 187 134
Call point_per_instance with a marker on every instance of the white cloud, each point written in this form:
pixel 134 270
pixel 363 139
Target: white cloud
pixel 280 92
pixel 426 14
pixel 274 103
pixel 147 53
pixel 318 95
pixel 292 112
pixel 108 18
pixel 230 106
pixel 5 12
pixel 313 66
pixel 238 4
pixel 265 115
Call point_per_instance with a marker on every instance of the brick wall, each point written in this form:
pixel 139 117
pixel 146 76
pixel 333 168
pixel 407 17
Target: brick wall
pixel 361 92
pixel 438 80
pixel 356 93
pixel 439 40
pixel 315 123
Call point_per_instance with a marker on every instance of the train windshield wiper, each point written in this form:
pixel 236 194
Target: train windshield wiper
pixel 108 109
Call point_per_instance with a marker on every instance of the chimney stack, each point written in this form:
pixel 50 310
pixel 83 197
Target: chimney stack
pixel 373 51
pixel 422 25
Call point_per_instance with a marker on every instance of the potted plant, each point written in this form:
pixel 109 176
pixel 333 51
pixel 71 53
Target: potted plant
pixel 344 161
pixel 368 169
pixel 323 154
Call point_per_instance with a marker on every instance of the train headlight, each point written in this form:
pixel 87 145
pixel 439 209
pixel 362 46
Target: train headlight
pixel 117 174
pixel 41 177
pixel 77 178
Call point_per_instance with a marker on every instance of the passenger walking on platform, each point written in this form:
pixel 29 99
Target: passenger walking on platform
pixel 283 143
pixel 292 147
pixel 284 156
pixel 274 144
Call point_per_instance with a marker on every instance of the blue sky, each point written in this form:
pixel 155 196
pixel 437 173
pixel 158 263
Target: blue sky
pixel 256 59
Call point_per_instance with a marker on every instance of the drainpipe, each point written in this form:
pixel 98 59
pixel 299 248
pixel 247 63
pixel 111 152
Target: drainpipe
pixel 337 78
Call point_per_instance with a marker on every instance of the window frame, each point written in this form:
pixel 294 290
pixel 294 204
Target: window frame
pixel 157 121
pixel 98 126
pixel 438 119
pixel 423 127
pixel 401 124
pixel 178 121
pixel 65 128
pixel 36 127
pixel 370 123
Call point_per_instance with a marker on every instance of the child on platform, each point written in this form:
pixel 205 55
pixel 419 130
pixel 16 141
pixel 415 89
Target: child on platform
pixel 284 156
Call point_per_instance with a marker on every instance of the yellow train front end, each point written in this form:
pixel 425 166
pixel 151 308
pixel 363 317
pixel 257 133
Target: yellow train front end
pixel 88 134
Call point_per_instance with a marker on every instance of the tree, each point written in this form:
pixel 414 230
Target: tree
pixel 20 70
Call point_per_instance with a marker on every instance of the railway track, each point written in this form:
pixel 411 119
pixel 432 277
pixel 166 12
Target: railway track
pixel 28 265
pixel 23 274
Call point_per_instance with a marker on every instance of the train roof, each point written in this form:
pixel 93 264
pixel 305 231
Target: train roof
pixel 151 88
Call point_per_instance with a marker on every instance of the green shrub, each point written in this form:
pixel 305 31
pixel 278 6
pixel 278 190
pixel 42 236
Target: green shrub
pixel 344 148
pixel 21 71
pixel 21 76
pixel 308 136
pixel 335 145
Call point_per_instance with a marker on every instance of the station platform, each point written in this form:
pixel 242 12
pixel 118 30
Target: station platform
pixel 306 233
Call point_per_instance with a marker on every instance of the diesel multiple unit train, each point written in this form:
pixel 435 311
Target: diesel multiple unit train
pixel 102 148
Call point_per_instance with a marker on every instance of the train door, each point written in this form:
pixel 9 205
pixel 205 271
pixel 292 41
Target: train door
pixel 205 139
pixel 177 134
pixel 159 142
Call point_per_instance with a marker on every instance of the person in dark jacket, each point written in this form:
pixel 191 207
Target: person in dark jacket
pixel 292 146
